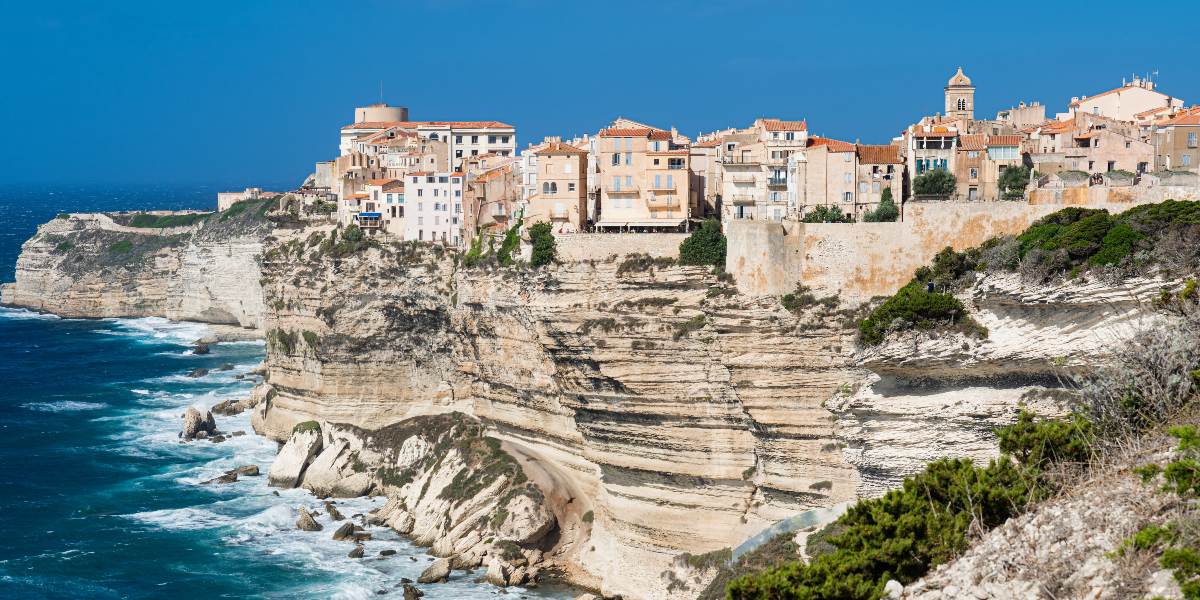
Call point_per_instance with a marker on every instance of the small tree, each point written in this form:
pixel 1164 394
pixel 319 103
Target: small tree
pixel 827 214
pixel 543 245
pixel 1013 180
pixel 938 182
pixel 706 245
pixel 886 212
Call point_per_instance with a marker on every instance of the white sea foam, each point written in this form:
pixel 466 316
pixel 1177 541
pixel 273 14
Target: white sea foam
pixel 64 406
pixel 159 329
pixel 24 314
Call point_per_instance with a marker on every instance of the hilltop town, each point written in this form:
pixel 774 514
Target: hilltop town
pixel 447 181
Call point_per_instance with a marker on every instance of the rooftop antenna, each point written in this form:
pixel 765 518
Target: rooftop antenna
pixel 381 91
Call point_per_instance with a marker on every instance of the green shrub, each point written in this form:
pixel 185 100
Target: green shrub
pixel 686 327
pixel 588 517
pixel 311 339
pixel 635 263
pixel 121 247
pixel 1181 476
pixel 705 246
pixel 63 216
pixel 474 252
pixel 510 244
pixel 902 534
pixel 307 427
pixel 544 249
pixel 353 233
pixel 886 212
pixel 827 214
pixel 1013 181
pixel 938 182
pixel 913 307
pixel 64 246
pixel 1037 443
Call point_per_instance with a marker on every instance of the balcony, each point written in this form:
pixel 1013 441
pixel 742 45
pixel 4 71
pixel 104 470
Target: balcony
pixel 676 167
pixel 662 187
pixel 662 201
pixel 743 199
pixel 742 178
pixel 498 210
pixel 560 213
pixel 633 189
pixel 741 160
pixel 777 182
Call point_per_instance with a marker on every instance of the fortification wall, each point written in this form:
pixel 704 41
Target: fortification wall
pixel 596 246
pixel 861 260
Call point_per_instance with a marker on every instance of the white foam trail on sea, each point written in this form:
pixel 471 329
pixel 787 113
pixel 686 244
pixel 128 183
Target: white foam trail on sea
pixel 247 513
pixel 63 406
pixel 24 314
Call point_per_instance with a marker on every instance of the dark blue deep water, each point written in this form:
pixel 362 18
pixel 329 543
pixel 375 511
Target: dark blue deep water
pixel 99 499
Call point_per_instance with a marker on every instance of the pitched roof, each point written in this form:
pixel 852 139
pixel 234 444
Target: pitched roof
pixel 1004 140
pixel 646 132
pixel 1114 91
pixel 380 181
pixel 559 148
pixel 935 131
pixel 1190 116
pixel 707 144
pixel 831 144
pixel 780 125
pixel 975 141
pixel 879 155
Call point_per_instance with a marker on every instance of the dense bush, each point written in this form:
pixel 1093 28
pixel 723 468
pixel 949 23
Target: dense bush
pixel 1013 181
pixel 912 529
pixel 886 212
pixel 544 250
pixel 510 244
pixel 705 246
pixel 827 214
pixel 1037 443
pixel 938 182
pixel 1178 542
pixel 915 307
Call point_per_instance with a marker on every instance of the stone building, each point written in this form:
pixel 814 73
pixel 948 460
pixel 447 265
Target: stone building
pixel 979 161
pixel 490 200
pixel 562 194
pixel 1124 103
pixel 1089 143
pixel 434 207
pixel 960 97
pixel 644 179
pixel 878 168
pixel 1176 142
pixel 755 171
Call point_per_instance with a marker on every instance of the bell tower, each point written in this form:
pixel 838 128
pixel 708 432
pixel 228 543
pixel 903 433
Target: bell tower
pixel 960 97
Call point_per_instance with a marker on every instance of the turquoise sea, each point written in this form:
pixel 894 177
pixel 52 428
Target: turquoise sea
pixel 99 499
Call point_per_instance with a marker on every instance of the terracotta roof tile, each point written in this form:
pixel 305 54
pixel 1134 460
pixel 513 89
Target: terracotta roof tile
pixel 646 132
pixel 833 145
pixel 380 181
pixel 559 148
pixel 976 141
pixel 429 124
pixel 780 125
pixel 707 144
pixel 1005 140
pixel 879 155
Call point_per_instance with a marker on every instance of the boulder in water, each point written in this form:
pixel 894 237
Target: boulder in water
pixel 194 373
pixel 224 367
pixel 306 522
pixel 345 532
pixel 333 512
pixel 438 572
pixel 357 552
pixel 228 477
pixel 247 470
pixel 388 552
pixel 411 592
pixel 195 424
pixel 201 348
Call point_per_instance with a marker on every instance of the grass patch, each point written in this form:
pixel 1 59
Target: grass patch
pixel 148 221
pixel 307 427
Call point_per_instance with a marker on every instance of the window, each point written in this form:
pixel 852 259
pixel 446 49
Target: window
pixel 616 144
pixel 491 139
pixel 474 153
pixel 414 180
pixel 457 208
pixel 504 139
pixel 655 145
pixel 616 159
pixel 974 173
pixel 846 177
pixel 435 192
pixel 791 135
pixel 629 181
pixel 862 187
pixel 671 182
pixel 567 168
pixel 1187 160
pixel 443 179
pixel 545 187
pixel 458 139
pixel 616 186
pixel 656 162
pixel 474 139
pixel 973 154
pixel 1128 144
pixel 458 193
pixel 628 158
pixel 420 192
pixel 962 104
pixel 848 197
pixel 458 154
pixel 1192 139
pixel 1112 164
pixel 875 187
pixel 454 180
pixel 629 143
pixel 429 179
pixel 846 156
pixel 658 182
pixel 570 186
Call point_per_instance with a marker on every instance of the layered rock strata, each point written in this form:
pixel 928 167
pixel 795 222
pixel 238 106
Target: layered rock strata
pixel 86 265
pixel 674 414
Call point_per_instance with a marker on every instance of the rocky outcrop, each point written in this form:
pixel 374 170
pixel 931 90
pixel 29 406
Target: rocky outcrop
pixel 85 265
pixel 933 395
pixel 306 522
pixel 678 415
pixel 197 424
pixel 295 456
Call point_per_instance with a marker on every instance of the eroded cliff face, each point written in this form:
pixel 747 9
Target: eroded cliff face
pixel 681 416
pixel 86 265
pixel 933 395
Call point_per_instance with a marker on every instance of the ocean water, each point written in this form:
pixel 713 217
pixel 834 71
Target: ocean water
pixel 98 497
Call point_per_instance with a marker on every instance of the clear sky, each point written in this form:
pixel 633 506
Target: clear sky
pixel 245 92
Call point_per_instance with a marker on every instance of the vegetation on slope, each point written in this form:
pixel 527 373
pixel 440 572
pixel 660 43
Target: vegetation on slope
pixel 150 221
pixel 705 246
pixel 827 214
pixel 933 517
pixel 1072 241
pixel 886 212
pixel 544 250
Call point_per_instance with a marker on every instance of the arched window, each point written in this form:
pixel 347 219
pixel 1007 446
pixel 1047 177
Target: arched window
pixel 962 104
pixel 433 136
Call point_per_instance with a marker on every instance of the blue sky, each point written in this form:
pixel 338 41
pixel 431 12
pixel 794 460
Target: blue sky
pixel 236 93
